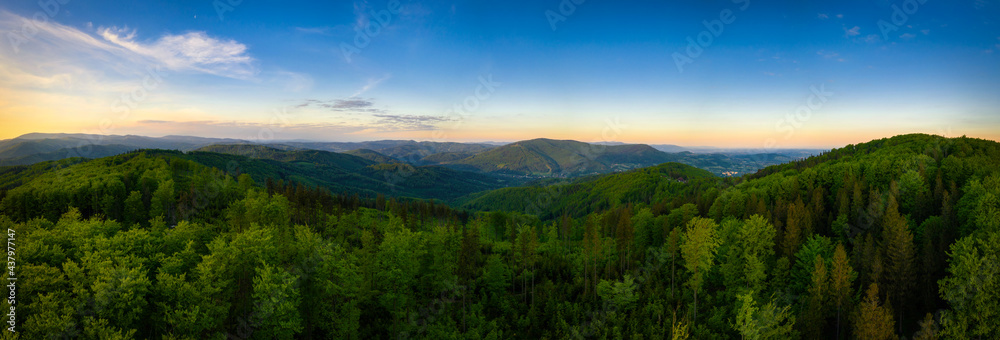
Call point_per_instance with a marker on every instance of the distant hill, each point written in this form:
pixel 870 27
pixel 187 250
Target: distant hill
pixel 339 160
pixel 548 157
pixel 791 153
pixel 89 151
pixel 566 158
pixel 31 147
pixel 373 156
pixel 446 157
pixel 405 150
pixel 578 197
pixel 341 172
pixel 533 158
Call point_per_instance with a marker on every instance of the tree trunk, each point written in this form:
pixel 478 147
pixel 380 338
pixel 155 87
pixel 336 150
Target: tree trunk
pixel 900 320
pixel 695 317
pixel 838 322
pixel 673 273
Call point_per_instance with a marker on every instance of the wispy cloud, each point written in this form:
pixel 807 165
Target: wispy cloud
pixel 192 51
pixel 390 122
pixel 354 105
pixel 853 31
pixel 372 83
pixel 378 123
pixel 871 38
pixel 324 30
pixel 823 16
pixel 827 54
pixel 293 81
pixel 244 130
pixel 122 51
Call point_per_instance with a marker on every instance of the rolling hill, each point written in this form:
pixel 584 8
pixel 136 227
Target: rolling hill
pixel 158 226
pixel 88 151
pixel 548 157
pixel 579 196
pixel 531 158
pixel 409 151
pixel 566 158
pixel 372 155
pixel 341 172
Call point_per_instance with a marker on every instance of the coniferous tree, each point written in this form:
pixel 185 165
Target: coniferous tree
pixel 841 280
pixel 816 304
pixel 899 257
pixel 873 320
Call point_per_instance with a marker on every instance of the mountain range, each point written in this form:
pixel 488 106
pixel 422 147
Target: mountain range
pixel 536 158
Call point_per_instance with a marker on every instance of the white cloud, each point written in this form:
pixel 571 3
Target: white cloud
pixel 73 77
pixel 192 51
pixel 827 54
pixel 50 48
pixel 853 31
pixel 907 36
pixel 325 30
pixel 823 16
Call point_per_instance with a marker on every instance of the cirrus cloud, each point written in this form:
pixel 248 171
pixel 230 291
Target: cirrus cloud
pixel 191 51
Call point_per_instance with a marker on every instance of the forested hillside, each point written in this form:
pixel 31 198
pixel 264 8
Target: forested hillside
pixel 344 173
pixel 566 158
pixel 661 186
pixel 408 151
pixel 894 237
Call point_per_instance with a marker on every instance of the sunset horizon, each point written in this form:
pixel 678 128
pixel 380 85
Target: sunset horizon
pixel 724 73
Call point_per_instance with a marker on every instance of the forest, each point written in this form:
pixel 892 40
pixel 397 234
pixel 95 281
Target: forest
pixel 897 237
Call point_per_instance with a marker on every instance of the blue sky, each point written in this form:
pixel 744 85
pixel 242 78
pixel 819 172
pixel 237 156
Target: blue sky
pixel 597 70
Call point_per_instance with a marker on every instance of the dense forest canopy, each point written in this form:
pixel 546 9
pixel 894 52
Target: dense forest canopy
pixel 894 237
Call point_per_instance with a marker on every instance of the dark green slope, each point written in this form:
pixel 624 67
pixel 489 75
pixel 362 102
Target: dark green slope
pixel 372 155
pixel 339 173
pixel 346 173
pixel 581 196
pixel 333 159
pixel 914 215
pixel 445 157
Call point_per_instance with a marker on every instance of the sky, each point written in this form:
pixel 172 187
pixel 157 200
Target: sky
pixel 733 73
